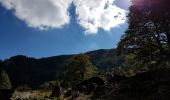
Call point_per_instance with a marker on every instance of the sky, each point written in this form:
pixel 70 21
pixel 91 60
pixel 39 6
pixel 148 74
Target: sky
pixel 44 28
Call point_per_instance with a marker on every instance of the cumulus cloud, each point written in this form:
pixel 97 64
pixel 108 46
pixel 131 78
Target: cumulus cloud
pixel 45 14
pixel 95 14
pixel 42 14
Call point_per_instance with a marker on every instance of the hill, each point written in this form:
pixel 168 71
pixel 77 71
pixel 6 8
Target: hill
pixel 33 72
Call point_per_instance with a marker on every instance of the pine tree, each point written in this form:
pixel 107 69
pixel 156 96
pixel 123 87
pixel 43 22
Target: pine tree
pixel 4 81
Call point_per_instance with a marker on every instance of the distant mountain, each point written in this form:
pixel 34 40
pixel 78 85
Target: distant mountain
pixel 31 71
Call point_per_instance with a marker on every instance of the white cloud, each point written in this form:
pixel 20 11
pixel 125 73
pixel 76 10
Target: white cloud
pixel 95 14
pixel 42 14
pixel 45 14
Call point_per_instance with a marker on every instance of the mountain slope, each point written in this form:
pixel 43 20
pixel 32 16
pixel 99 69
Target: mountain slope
pixel 31 71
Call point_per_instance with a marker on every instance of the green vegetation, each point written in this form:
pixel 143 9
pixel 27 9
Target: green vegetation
pixel 148 34
pixel 49 85
pixel 140 71
pixel 5 82
pixel 53 68
pixel 150 85
pixel 80 68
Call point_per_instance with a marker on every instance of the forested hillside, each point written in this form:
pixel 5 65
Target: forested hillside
pixel 21 68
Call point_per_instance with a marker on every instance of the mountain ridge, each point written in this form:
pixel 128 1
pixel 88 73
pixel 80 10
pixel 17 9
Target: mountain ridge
pixel 40 70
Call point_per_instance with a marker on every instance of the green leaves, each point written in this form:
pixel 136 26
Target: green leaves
pixel 4 81
pixel 80 68
pixel 147 36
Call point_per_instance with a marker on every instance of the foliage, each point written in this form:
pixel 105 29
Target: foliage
pixel 52 68
pixel 49 85
pixel 56 92
pixel 132 67
pixel 150 85
pixel 38 70
pixel 80 68
pixel 5 82
pixel 148 34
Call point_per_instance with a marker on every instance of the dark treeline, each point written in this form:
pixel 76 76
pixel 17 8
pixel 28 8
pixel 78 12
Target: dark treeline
pixel 24 70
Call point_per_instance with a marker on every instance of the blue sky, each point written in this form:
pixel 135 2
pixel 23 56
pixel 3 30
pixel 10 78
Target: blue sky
pixel 18 38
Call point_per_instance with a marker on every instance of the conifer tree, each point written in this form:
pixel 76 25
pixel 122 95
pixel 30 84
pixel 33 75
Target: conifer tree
pixel 5 82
